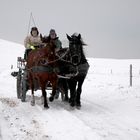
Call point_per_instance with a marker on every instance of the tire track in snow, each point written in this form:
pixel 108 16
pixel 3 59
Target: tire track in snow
pixel 102 121
pixel 88 117
pixel 68 123
pixel 22 124
pixel 105 122
pixel 33 122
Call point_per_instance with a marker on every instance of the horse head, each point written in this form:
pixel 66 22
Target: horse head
pixel 75 48
pixel 45 39
pixel 50 47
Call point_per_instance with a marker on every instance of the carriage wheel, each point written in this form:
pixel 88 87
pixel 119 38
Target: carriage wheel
pixel 23 87
pixel 19 77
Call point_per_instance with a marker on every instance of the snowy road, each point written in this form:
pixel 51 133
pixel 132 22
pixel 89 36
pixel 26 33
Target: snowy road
pixel 110 108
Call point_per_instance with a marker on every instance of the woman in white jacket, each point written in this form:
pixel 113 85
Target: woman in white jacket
pixel 32 41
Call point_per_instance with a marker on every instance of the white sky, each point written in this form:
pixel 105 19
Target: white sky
pixel 111 28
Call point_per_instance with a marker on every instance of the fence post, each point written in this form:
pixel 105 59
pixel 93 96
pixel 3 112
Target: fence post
pixel 131 75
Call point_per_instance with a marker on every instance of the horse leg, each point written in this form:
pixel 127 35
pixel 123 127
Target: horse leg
pixel 54 87
pixel 32 98
pixel 64 94
pixel 72 85
pixel 63 87
pixel 45 98
pixel 32 91
pixel 79 90
pixel 43 88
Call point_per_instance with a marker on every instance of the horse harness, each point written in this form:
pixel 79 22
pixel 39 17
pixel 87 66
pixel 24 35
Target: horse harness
pixel 47 67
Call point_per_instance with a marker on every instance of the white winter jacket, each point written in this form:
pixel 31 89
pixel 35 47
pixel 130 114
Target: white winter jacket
pixel 32 41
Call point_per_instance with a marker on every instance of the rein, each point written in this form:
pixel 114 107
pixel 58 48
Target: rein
pixel 59 58
pixel 45 67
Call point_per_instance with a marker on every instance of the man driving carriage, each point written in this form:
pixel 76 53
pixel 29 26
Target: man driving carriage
pixel 57 42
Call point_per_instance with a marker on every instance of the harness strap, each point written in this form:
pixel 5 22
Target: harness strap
pixel 48 69
pixel 59 58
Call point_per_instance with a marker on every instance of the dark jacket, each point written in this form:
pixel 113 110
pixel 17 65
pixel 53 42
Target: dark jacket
pixel 57 42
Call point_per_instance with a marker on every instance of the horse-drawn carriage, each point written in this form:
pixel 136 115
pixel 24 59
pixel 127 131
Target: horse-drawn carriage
pixel 65 70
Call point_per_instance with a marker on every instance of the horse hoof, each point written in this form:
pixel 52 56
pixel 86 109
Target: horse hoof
pixel 51 99
pixel 32 103
pixel 46 106
pixel 22 100
pixel 72 107
pixel 70 101
pixel 66 99
pixel 78 107
pixel 72 104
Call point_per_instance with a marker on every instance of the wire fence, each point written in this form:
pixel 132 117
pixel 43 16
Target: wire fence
pixel 116 73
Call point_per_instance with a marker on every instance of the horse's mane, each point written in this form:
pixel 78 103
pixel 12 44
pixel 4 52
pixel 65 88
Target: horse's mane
pixel 83 54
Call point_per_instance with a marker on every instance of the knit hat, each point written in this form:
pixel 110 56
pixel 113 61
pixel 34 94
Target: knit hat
pixel 52 31
pixel 34 29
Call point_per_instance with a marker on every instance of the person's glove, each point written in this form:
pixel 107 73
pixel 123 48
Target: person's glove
pixel 32 47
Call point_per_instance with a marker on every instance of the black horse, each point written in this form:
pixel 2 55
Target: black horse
pixel 72 64
pixel 75 56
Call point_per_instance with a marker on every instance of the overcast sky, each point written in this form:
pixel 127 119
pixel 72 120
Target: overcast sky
pixel 111 28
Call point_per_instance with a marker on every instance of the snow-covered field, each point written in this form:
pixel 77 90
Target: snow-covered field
pixel 110 108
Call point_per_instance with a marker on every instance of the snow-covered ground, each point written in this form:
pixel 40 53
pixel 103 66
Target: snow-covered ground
pixel 110 108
